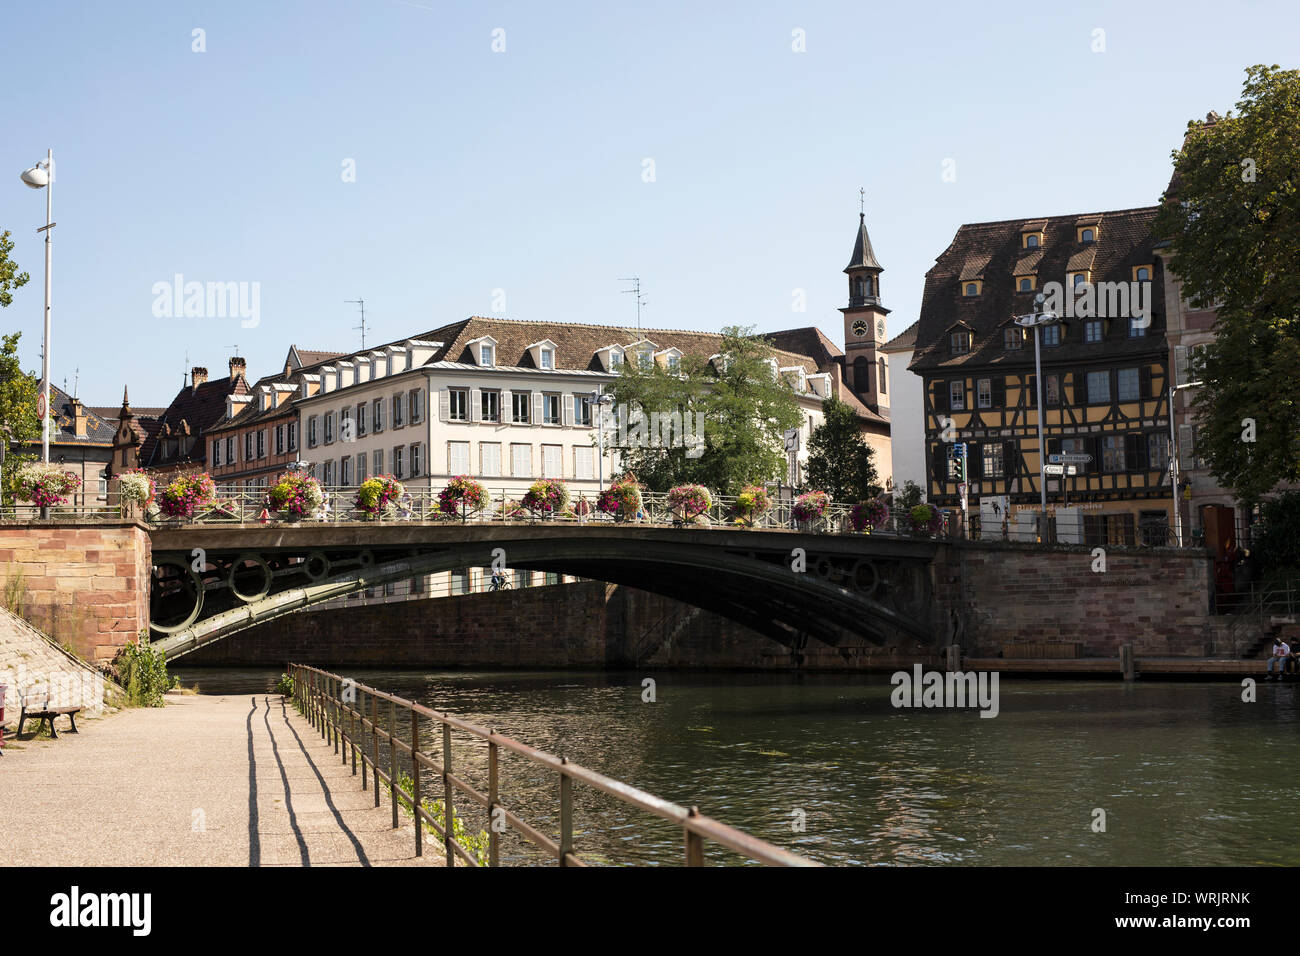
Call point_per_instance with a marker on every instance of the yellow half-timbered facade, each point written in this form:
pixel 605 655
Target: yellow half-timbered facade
pixel 1104 364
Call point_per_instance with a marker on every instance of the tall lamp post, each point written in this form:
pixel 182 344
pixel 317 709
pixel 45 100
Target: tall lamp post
pixel 1035 320
pixel 602 402
pixel 41 176
pixel 1173 462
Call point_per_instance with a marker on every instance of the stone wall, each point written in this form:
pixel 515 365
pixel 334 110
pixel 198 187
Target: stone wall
pixel 86 587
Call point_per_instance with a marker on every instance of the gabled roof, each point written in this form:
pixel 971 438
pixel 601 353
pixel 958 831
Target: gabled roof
pixel 99 430
pixel 903 341
pixel 191 413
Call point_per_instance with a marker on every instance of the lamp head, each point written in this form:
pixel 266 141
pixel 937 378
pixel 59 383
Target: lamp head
pixel 36 177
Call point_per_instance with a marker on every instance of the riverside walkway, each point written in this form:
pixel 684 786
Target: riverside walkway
pixel 235 780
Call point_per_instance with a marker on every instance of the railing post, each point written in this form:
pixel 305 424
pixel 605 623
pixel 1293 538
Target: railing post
pixel 392 757
pixel 494 840
pixel 694 844
pixel 566 814
pixel 336 713
pixel 448 808
pixel 374 737
pixel 361 708
pixel 415 782
pixel 352 731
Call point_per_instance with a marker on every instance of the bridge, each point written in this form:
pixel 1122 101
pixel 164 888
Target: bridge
pixel 214 580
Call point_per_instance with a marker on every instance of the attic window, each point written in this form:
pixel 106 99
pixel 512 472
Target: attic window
pixel 547 358
pixel 1025 284
pixel 1031 240
pixel 1141 273
pixel 1087 234
pixel 971 288
pixel 1012 338
pixel 615 358
pixel 959 343
pixel 485 354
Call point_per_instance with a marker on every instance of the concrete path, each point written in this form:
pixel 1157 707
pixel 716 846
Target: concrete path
pixel 239 780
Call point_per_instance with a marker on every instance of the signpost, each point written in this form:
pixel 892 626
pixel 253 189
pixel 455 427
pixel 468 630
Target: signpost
pixel 1070 470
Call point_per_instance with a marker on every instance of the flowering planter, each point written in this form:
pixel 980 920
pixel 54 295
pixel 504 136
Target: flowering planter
pixel 621 500
pixel 867 516
pixel 463 496
pixel 751 503
pixel 187 496
pixel 294 496
pixel 689 503
pixel 546 498
pixel 809 507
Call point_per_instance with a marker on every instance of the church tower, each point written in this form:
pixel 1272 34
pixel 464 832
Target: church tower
pixel 866 368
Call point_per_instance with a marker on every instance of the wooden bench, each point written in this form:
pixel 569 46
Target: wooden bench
pixel 36 705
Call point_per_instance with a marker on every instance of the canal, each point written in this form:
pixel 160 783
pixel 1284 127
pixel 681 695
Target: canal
pixel 1186 773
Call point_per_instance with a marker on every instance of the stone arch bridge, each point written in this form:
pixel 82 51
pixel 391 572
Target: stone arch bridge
pixel 211 581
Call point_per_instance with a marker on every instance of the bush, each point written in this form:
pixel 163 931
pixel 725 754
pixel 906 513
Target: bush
pixel 1277 537
pixel 46 485
pixel 284 685
pixel 475 844
pixel 142 671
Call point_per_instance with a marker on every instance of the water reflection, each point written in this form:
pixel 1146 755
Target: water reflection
pixel 1186 773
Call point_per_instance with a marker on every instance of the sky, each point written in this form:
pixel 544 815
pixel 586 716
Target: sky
pixel 441 159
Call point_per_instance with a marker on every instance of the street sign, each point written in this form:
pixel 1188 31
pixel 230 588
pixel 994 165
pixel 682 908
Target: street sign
pixel 1060 470
pixel 792 439
pixel 40 405
pixel 1070 458
pixel 958 450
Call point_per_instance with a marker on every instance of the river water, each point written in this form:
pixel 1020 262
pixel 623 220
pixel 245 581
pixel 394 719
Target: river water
pixel 1186 773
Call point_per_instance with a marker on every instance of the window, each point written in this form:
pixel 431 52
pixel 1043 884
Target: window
pixel 956 396
pixel 279 439
pixel 378 459
pixel 397 412
pixel 417 585
pixel 1098 388
pixel 1158 451
pixel 347 432
pixel 1024 284
pixel 261 443
pixel 550 409
pixel 521 461
pixel 230 450
pixel 329 427
pixel 1142 274
pixel 1086 235
pixel 361 420
pixel 551 577
pixel 1128 385
pixel 248 446
pixel 485 354
pixel 615 359
pixel 1092 330
pixel 520 405
pixel 1052 389
pixel 397 461
pixel 216 452
pixel 1012 338
pixel 458 404
pixel 984 392
pixel 548 358
pixel 582 462
pixel 377 414
pixel 551 457
pixel 883 375
pixel 1031 241
pixel 959 343
pixel 458 457
pixel 993 464
pixel 490 405
pixel 415 405
pixel 1051 336
pixel 329 472
pixel 674 363
pixel 972 288
pixel 416 460
pixel 1137 326
pixel 345 470
pixel 582 409
pixel 1112 453
pixel 1078 279
pixel 490 453
pixel 293 436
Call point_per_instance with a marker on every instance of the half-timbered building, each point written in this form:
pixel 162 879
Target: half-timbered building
pixel 1105 372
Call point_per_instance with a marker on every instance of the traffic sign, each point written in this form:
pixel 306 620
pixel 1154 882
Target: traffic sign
pixel 1060 470
pixel 40 405
pixel 958 450
pixel 1070 458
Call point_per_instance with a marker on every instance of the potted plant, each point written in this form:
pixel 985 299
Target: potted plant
pixel 46 485
pixel 463 496
pixel 925 519
pixel 136 489
pixel 376 496
pixel 622 499
pixel 295 495
pixel 810 506
pixel 546 497
pixel 689 503
pixel 867 516
pixel 752 501
pixel 186 496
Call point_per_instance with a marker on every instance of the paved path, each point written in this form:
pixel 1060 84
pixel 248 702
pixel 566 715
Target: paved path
pixel 237 780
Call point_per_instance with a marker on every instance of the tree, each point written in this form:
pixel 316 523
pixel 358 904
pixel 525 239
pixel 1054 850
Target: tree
pixel 735 405
pixel 18 421
pixel 840 462
pixel 1233 215
pixel 10 277
pixel 910 496
pixel 1276 541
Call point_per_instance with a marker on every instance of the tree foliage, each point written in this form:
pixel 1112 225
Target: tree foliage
pixel 840 462
pixel 1276 542
pixel 744 415
pixel 10 277
pixel 1233 215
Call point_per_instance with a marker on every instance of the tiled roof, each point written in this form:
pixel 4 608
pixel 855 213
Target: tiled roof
pixel 904 340
pixel 193 410
pixel 111 412
pixel 1124 240
pixel 313 357
pixel 98 430
pixel 809 340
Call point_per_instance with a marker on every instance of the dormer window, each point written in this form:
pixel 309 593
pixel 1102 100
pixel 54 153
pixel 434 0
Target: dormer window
pixel 1141 273
pixel 615 358
pixel 1077 279
pixel 971 288
pixel 547 358
pixel 485 354
pixel 1025 284
pixel 1031 240
pixel 1087 234
pixel 1012 338
pixel 959 342
pixel 543 354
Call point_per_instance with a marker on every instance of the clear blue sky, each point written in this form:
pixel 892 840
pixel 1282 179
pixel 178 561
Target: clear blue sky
pixel 522 170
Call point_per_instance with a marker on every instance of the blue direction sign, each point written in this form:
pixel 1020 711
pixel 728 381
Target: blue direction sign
pixel 1070 458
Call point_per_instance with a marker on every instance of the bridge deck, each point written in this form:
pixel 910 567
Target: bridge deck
pixel 206 781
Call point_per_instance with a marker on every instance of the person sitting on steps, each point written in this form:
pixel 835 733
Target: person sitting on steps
pixel 1280 659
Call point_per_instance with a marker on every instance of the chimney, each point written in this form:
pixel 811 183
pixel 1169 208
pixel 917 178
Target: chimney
pixel 237 366
pixel 198 375
pixel 78 418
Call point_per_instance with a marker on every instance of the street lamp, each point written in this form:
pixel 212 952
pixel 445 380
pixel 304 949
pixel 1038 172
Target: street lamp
pixel 1035 320
pixel 41 176
pixel 602 401
pixel 1173 462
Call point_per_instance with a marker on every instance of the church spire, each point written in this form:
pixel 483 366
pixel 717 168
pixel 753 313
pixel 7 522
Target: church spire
pixel 864 257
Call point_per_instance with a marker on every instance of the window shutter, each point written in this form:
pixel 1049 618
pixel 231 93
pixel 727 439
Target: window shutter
pixel 938 397
pixel 939 464
pixel 1185 442
pixel 975 461
pixel 1053 446
pixel 444 404
pixel 1010 459
pixel 1094 449
pixel 1144 382
pixel 1180 364
pixel 566 409
pixel 1134 452
pixel 506 413
pixel 1000 392
pixel 1081 387
pixel 475 404
pixel 537 408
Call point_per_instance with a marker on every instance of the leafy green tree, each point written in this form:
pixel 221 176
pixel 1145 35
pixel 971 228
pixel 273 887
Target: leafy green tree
pixel 18 421
pixel 10 277
pixel 1233 215
pixel 1276 540
pixel 910 496
pixel 744 415
pixel 840 462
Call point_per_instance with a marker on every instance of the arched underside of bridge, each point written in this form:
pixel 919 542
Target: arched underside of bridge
pixel 852 589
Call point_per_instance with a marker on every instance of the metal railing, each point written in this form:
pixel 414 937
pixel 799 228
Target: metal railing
pixel 350 715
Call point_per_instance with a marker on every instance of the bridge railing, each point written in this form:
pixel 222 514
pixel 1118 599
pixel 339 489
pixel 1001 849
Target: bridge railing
pixel 363 721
